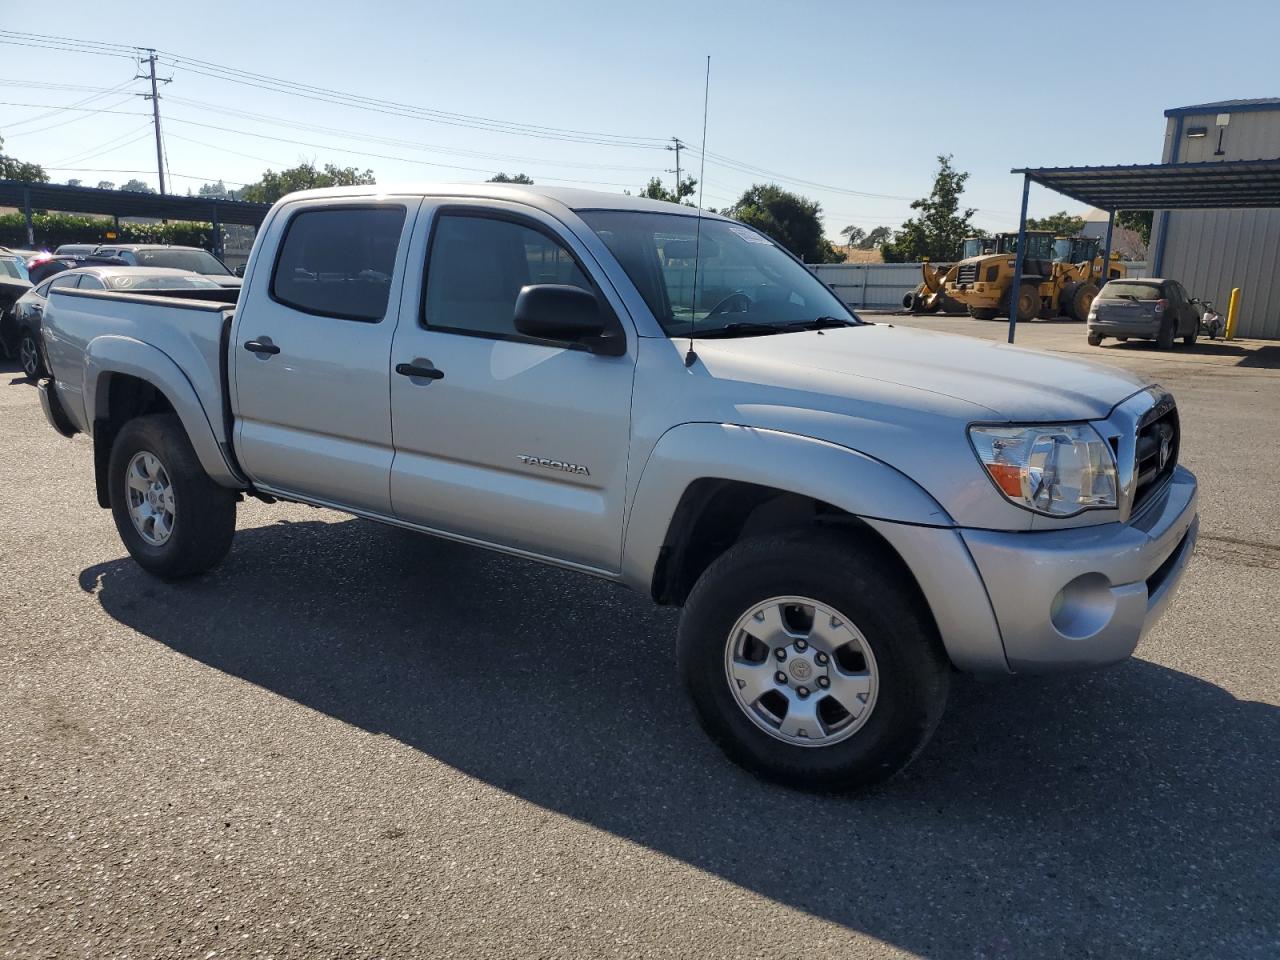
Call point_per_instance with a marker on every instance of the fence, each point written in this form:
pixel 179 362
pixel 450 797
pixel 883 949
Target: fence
pixel 881 286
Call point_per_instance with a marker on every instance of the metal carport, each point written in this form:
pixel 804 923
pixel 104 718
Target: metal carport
pixel 1154 186
pixel 126 203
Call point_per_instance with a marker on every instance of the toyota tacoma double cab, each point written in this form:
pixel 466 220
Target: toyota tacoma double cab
pixel 846 512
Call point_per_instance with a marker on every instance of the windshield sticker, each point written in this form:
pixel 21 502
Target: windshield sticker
pixel 749 235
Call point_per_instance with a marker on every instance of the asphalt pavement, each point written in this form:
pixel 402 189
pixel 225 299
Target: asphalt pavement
pixel 352 741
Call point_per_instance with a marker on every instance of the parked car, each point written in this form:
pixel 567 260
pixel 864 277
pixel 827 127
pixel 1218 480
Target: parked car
pixel 14 283
pixel 1149 308
pixel 75 249
pixel 42 266
pixel 181 258
pixel 846 511
pixel 24 323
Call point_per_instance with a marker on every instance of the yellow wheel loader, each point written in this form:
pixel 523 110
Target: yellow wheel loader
pixel 1060 276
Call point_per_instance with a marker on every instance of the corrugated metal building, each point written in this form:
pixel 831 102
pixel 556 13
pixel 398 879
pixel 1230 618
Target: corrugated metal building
pixel 1211 251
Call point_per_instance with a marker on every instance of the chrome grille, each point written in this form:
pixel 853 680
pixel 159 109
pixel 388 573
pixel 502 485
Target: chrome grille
pixel 1155 450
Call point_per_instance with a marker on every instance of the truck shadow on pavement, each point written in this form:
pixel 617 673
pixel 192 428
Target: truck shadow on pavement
pixel 1125 812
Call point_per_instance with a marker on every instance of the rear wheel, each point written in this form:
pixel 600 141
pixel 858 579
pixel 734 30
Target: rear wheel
pixel 810 662
pixel 983 313
pixel 1095 339
pixel 29 355
pixel 1076 300
pixel 1189 339
pixel 1164 339
pixel 173 520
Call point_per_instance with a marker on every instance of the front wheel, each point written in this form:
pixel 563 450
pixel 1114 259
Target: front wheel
pixel 810 662
pixel 174 521
pixel 983 313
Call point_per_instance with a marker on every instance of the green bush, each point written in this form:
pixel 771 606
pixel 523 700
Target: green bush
pixel 54 229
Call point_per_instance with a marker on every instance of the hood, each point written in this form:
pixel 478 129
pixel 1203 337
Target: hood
pixel 945 373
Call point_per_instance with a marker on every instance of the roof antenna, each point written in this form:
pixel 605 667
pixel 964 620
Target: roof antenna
pixel 690 358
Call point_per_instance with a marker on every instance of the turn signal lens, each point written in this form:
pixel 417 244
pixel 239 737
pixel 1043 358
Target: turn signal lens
pixel 1055 469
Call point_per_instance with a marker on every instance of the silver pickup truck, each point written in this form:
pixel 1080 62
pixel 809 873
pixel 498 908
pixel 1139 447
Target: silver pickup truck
pixel 845 511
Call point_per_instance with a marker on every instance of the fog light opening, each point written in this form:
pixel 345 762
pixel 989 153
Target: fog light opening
pixel 1083 607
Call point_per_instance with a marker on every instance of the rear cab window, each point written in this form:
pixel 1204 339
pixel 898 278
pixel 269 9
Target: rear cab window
pixel 339 261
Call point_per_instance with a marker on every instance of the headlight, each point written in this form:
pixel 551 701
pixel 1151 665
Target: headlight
pixel 1054 469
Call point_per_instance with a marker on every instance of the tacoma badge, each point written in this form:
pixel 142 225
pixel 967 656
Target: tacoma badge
pixel 555 465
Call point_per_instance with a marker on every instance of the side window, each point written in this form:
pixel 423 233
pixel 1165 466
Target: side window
pixel 477 267
pixel 64 281
pixel 88 282
pixel 338 261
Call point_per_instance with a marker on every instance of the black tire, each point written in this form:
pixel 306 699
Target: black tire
pixel 984 313
pixel 1164 340
pixel 1095 339
pixel 932 305
pixel 204 514
pixel 1123 339
pixel 1189 339
pixel 1076 299
pixel 860 582
pixel 1028 301
pixel 30 357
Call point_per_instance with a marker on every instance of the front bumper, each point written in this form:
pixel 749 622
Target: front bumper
pixel 1084 597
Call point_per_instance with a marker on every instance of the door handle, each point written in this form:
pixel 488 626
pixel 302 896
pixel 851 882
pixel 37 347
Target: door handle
pixel 261 346
pixel 415 370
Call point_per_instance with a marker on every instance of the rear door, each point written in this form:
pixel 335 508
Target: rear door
pixel 520 443
pixel 311 348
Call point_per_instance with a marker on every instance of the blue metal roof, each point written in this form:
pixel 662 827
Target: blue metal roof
pixel 125 203
pixel 1226 106
pixel 1167 186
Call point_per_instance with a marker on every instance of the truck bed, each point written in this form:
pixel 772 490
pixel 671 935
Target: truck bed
pixel 189 332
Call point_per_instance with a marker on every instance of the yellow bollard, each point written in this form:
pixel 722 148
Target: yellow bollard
pixel 1233 308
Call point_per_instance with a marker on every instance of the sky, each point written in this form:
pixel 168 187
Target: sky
pixel 850 102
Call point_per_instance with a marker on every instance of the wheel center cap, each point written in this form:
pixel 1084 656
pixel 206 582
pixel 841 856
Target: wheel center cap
pixel 801 669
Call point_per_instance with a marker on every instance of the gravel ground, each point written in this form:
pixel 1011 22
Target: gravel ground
pixel 350 741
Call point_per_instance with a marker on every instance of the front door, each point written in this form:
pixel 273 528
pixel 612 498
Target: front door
pixel 510 441
pixel 311 348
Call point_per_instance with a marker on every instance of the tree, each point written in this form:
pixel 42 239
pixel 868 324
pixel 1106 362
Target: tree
pixel 794 221
pixel 654 190
pixel 14 169
pixel 217 190
pixel 136 186
pixel 940 228
pixel 516 178
pixel 106 185
pixel 73 182
pixel 1139 221
pixel 876 239
pixel 853 236
pixel 304 176
pixel 1060 224
pixel 861 239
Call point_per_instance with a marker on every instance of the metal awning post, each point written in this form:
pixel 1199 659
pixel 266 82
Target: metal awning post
pixel 1106 249
pixel 1016 289
pixel 217 233
pixel 26 214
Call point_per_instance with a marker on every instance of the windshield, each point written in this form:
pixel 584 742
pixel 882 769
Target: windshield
pixel 161 282
pixel 977 246
pixel 743 277
pixel 197 261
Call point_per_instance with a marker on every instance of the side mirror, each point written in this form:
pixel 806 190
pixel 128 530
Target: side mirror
pixel 555 311
pixel 239 270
